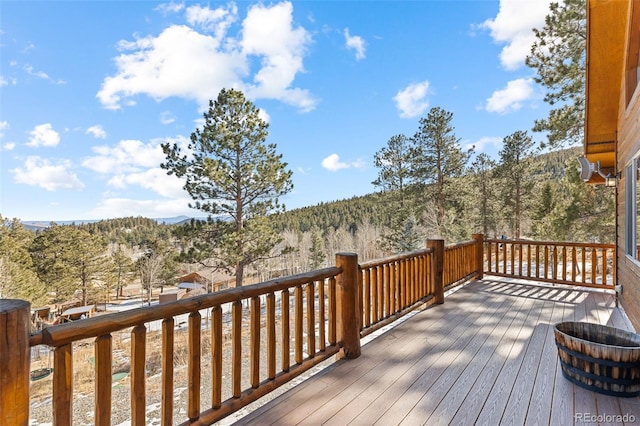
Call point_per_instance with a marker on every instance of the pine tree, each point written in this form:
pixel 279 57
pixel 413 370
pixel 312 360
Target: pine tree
pixel 394 177
pixel 437 160
pixel 515 172
pixel 483 189
pixel 559 58
pixel 17 277
pixel 231 171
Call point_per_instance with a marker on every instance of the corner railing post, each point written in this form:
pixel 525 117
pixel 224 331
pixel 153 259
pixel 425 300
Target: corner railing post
pixel 15 358
pixel 348 306
pixel 438 269
pixel 479 238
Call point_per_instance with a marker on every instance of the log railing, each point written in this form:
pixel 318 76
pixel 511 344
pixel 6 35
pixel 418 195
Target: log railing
pixel 302 307
pixel 254 339
pixel 394 286
pixel 258 337
pixel 579 264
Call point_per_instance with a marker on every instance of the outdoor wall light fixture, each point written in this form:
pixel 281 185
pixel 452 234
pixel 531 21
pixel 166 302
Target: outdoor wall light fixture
pixel 611 180
pixel 587 169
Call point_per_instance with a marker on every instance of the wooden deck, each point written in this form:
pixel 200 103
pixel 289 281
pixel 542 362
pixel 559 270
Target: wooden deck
pixel 487 356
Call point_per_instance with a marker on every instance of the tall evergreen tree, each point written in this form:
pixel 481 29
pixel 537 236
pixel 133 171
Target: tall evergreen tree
pixel 317 254
pixel 122 269
pixel 437 160
pixel 484 190
pixel 559 57
pixel 517 185
pixel 69 259
pixel 395 178
pixel 17 277
pixel 231 171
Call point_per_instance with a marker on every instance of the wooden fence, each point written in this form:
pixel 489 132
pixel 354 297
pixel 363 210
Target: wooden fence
pixel 579 264
pixel 283 327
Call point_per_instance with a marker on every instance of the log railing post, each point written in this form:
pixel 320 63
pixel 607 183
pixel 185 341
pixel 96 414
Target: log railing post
pixel 479 239
pixel 15 358
pixel 348 306
pixel 438 269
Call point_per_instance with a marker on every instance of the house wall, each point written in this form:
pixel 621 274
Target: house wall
pixel 628 147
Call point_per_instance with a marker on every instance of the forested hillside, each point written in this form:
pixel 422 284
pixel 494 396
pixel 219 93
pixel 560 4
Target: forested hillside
pixel 92 260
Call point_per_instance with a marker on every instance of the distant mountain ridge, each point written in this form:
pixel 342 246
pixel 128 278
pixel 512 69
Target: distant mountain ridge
pixel 36 225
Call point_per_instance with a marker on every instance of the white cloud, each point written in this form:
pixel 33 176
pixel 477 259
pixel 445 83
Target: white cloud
pixel 9 146
pixel 170 7
pixel 268 33
pixel 156 180
pixel 45 174
pixel 333 163
pixel 356 43
pixel 513 26
pixel 3 126
pixel 128 156
pixel 215 20
pixel 167 118
pixel 43 135
pixel 97 131
pixel 3 81
pixel 41 74
pixel 411 101
pixel 179 62
pixel 183 62
pixel 511 97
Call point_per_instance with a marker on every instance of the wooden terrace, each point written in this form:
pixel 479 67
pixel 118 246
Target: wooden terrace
pixel 487 356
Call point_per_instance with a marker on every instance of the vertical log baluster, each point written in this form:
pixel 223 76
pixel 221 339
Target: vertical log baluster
pixel 103 376
pixel 298 324
pixel 236 348
pixel 166 415
pixel 255 341
pixel 216 357
pixel 367 297
pixel 594 265
pixel 286 332
pixel 387 290
pixel 322 317
pixel 193 365
pixel 332 311
pixel 584 264
pixel 311 319
pixel 62 385
pixel 138 365
pixel 271 336
pixel 377 273
pixel 564 263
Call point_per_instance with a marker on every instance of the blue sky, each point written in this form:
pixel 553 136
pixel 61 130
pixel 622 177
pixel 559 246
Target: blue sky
pixel 90 89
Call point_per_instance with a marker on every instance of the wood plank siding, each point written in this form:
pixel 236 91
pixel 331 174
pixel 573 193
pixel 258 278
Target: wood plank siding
pixel 486 356
pixel 628 147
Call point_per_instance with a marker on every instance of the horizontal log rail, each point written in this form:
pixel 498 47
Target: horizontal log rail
pixel 577 264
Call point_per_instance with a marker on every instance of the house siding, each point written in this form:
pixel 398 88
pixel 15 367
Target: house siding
pixel 628 147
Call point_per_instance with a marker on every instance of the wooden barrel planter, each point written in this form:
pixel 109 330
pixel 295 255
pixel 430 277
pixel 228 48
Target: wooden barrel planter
pixel 599 358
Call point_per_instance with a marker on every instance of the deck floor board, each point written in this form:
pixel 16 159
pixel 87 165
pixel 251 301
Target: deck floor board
pixel 486 356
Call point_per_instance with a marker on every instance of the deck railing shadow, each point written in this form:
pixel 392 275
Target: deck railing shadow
pixel 291 324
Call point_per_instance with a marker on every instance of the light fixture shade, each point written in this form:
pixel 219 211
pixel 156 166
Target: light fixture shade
pixel 611 180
